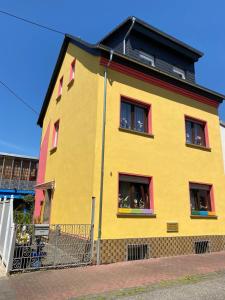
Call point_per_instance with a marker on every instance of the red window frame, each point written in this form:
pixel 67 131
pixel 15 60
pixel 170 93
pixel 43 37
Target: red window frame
pixel 60 86
pixel 208 186
pixel 141 104
pixel 145 211
pixel 72 70
pixel 55 135
pixel 205 128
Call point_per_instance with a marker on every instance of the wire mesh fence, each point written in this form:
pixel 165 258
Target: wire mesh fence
pixel 61 245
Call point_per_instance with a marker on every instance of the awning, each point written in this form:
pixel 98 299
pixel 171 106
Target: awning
pixel 50 185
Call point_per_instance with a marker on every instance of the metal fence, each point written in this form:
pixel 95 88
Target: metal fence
pixel 64 245
pixel 17 184
pixel 36 246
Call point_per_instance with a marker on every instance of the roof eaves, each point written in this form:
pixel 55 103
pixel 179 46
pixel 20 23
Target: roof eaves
pixel 103 47
pixel 52 80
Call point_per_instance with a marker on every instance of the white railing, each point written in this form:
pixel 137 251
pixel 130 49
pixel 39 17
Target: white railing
pixel 7 233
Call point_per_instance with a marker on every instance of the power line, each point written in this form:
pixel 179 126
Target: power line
pixel 19 98
pixel 31 22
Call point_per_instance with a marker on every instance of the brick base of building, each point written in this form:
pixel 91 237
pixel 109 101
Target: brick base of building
pixel 116 250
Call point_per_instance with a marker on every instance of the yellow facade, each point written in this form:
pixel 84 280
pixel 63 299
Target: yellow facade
pixel 76 164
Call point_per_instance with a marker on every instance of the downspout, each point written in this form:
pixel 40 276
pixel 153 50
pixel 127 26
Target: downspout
pixel 102 158
pixel 128 32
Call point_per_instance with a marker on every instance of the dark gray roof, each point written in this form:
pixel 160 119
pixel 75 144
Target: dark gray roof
pixel 98 48
pixel 155 30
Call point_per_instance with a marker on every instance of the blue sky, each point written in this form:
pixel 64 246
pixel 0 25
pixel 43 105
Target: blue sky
pixel 28 54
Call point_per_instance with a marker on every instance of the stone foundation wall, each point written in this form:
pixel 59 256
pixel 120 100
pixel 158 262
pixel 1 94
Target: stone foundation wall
pixel 115 250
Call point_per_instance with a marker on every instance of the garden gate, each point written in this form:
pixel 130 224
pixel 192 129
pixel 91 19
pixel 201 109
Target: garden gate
pixel 38 246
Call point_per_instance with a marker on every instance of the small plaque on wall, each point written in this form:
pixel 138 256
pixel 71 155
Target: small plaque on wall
pixel 172 227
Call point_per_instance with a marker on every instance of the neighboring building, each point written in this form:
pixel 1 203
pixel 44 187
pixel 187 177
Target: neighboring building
pixel 152 157
pixel 17 175
pixel 222 130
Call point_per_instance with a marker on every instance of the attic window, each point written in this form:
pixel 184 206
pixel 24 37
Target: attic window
pixel 179 72
pixel 148 58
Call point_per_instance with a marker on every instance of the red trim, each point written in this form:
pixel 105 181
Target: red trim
pixel 202 122
pixel 60 86
pixel 56 125
pixel 72 70
pixel 155 81
pixel 212 199
pixel 150 178
pixel 140 103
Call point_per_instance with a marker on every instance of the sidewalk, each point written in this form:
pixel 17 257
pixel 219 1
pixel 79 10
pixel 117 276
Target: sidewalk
pixel 74 282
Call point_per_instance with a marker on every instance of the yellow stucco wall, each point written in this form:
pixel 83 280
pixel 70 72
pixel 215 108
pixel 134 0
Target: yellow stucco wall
pixel 165 157
pixel 75 165
pixel 72 164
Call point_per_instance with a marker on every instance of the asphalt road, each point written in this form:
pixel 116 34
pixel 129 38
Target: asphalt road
pixel 208 289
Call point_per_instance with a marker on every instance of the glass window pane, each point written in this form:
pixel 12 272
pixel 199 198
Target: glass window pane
pixel 133 195
pixel 125 117
pixel 200 198
pixel 199 135
pixel 124 195
pixel 188 132
pixel 139 119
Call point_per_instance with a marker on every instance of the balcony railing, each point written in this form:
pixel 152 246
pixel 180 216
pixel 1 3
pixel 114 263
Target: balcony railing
pixel 11 184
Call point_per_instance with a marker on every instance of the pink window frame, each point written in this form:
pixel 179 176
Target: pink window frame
pixel 151 194
pixel 60 86
pixel 212 199
pixel 140 103
pixel 72 70
pixel 55 131
pixel 199 121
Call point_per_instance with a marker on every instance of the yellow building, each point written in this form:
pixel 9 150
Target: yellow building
pixel 125 122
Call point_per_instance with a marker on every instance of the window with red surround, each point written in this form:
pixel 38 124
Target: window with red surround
pixel 196 132
pixel 201 199
pixel 135 115
pixel 135 194
pixel 60 87
pixel 55 135
pixel 72 70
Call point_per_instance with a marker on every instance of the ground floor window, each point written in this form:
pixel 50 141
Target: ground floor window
pixel 201 198
pixel 134 194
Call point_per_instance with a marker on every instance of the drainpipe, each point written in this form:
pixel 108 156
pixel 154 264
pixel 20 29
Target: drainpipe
pixel 102 158
pixel 128 32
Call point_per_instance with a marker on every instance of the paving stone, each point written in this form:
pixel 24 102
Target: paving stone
pixel 80 281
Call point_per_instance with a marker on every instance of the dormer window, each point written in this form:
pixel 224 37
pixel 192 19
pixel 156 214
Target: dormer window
pixel 180 72
pixel 149 59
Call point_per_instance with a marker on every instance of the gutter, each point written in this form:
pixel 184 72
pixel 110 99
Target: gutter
pixel 103 157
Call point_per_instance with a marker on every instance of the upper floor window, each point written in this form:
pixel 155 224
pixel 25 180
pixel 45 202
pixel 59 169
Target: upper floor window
pixel 201 198
pixel 55 135
pixel 72 70
pixel 134 116
pixel 196 132
pixel 148 58
pixel 60 87
pixel 180 72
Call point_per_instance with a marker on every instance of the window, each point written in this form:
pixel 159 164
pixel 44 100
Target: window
pixel 60 87
pixel 55 135
pixel 180 72
pixel 134 116
pixel 72 71
pixel 134 194
pixel 148 58
pixel 201 198
pixel 196 132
